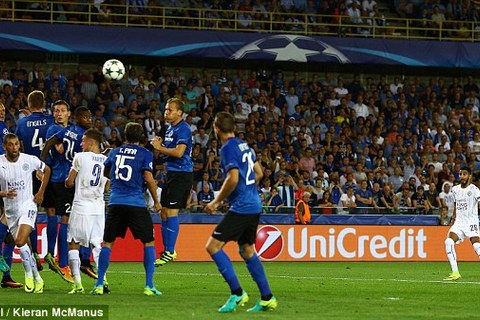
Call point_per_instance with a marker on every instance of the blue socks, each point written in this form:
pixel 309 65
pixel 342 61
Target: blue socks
pixel 148 263
pixel 255 267
pixel 52 231
pixel 103 262
pixel 172 233
pixel 164 234
pixel 85 253
pixel 34 239
pixel 8 256
pixel 3 233
pixel 62 245
pixel 225 267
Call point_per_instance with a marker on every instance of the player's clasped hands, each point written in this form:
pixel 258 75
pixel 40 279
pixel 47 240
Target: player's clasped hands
pixel 157 142
pixel 11 193
pixel 157 207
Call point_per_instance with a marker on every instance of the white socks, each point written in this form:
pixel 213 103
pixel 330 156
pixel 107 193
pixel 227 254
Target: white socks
pixel 74 263
pixel 29 263
pixel 452 256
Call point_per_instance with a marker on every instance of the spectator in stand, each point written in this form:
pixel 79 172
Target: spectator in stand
pixel 115 140
pixel 420 201
pixel 204 180
pixel 275 202
pixel 389 199
pixel 107 131
pixel 377 195
pixel 201 138
pixel 205 196
pixel 404 201
pixel 347 202
pixel 306 162
pixel 433 196
pixel 363 198
pixel 326 202
pixel 447 204
pixel 286 187
pixel 152 125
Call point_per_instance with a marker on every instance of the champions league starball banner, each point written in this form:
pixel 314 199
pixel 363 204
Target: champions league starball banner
pixel 58 38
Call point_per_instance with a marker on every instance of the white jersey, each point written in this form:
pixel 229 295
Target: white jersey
pixel 89 182
pixel 18 175
pixel 466 204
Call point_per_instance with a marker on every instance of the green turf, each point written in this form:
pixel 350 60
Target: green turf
pixel 356 290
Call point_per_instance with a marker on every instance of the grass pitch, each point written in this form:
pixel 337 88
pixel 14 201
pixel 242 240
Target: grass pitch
pixel 318 290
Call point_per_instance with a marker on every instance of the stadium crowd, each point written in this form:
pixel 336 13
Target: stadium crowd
pixel 448 19
pixel 383 138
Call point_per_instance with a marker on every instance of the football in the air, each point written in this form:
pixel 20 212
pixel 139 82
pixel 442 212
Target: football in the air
pixel 113 69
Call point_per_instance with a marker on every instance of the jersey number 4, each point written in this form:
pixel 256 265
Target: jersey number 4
pixel 37 140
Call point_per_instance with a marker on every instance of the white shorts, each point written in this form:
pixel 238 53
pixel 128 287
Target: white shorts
pixel 86 229
pixel 464 231
pixel 14 222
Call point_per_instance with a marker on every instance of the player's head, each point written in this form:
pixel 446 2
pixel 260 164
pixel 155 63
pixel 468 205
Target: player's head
pixel 36 101
pixel 61 112
pixel 224 122
pixel 134 132
pixel 2 112
pixel 465 175
pixel 91 140
pixel 83 117
pixel 11 144
pixel 174 110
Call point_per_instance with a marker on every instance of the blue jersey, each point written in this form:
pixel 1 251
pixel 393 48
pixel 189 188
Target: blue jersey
pixel 71 138
pixel 175 135
pixel 236 154
pixel 3 133
pixel 32 131
pixel 57 162
pixel 127 165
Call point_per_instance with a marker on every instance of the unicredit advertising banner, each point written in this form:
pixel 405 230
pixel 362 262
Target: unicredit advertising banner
pixel 307 243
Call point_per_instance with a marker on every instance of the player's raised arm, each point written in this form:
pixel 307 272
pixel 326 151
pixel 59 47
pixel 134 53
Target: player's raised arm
pixel 176 152
pixel 258 171
pixel 230 183
pixel 49 145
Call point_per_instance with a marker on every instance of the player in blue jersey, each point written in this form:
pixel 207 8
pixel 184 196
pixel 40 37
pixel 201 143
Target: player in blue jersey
pixel 6 256
pixel 178 148
pixel 71 138
pixel 130 170
pixel 241 221
pixel 59 168
pixel 32 133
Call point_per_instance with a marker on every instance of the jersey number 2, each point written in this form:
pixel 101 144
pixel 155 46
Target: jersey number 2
pixel 247 157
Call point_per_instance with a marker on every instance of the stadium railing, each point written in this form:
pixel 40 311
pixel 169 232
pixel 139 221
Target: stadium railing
pixel 333 210
pixel 73 12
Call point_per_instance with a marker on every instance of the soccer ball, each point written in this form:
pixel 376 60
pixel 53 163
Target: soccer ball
pixel 113 69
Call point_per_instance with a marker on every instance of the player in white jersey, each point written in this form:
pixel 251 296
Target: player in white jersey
pixel 465 219
pixel 447 203
pixel 87 218
pixel 16 181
